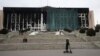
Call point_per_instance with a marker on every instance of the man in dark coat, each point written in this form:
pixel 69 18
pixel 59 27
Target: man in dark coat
pixel 67 44
pixel 67 47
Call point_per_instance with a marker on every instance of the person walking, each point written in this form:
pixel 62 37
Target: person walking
pixel 68 49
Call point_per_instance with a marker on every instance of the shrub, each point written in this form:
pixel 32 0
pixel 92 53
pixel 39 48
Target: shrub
pixel 48 29
pixel 97 28
pixel 4 31
pixel 90 32
pixel 68 30
pixel 82 30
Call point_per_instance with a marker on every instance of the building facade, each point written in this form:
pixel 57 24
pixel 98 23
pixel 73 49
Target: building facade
pixel 45 18
pixel 1 19
pixel 91 19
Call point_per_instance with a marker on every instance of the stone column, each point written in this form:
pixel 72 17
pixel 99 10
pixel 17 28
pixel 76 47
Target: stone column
pixel 81 20
pixel 38 25
pixel 34 26
pixel 31 22
pixel 23 22
pixel 15 20
pixel 80 15
pixel 27 20
pixel 41 22
pixel 85 20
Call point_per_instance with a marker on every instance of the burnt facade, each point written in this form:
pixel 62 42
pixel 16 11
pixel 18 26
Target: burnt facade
pixel 45 18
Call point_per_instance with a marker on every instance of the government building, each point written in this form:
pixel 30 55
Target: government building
pixel 45 18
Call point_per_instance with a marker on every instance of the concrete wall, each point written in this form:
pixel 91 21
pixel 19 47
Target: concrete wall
pixel 1 19
pixel 91 19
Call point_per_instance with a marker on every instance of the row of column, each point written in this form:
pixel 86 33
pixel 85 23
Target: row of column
pixel 17 21
pixel 83 19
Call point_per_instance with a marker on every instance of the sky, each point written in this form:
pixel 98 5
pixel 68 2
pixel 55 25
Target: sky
pixel 91 4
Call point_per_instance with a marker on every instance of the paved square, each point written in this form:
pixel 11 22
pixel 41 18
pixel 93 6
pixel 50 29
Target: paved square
pixel 76 52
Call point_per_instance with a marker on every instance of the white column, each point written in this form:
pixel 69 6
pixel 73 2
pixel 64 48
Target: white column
pixel 23 21
pixel 15 20
pixel 41 22
pixel 80 15
pixel 85 19
pixel 31 22
pixel 44 25
pixel 38 25
pixel 34 26
pixel 27 20
pixel 81 20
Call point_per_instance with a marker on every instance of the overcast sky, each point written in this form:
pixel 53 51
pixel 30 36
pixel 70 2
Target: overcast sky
pixel 91 4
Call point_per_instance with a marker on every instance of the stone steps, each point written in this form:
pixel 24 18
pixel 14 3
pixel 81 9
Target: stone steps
pixel 90 38
pixel 43 38
pixel 45 46
pixel 44 41
pixel 35 40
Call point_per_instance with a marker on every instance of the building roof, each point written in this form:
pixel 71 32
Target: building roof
pixel 30 9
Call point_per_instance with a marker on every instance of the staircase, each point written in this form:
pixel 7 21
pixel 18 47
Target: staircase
pixel 44 41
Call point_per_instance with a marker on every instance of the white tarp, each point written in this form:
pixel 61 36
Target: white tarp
pixel 59 33
pixel 34 33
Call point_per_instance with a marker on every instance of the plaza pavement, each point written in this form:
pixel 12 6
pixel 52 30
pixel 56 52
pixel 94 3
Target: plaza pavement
pixel 76 52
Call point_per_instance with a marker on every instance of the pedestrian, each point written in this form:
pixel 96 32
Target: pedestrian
pixel 68 49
